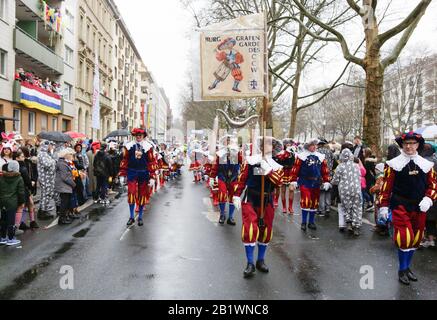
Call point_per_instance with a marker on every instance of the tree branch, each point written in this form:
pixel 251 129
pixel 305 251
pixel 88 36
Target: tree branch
pixel 407 22
pixel 340 38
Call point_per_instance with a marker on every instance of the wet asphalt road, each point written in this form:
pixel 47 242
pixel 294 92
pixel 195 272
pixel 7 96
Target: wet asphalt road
pixel 182 253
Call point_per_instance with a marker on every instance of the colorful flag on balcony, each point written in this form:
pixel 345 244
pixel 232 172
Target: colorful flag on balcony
pixel 96 96
pixel 38 98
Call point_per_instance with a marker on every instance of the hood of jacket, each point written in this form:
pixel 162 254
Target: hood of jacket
pixel 346 155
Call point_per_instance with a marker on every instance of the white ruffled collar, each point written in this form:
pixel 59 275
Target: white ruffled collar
pixel 304 155
pixel 144 144
pixel 255 160
pixel 403 159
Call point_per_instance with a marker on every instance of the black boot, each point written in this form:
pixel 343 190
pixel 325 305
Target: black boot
pixel 222 220
pixel 140 222
pixel 403 278
pixel 249 271
pixel 131 222
pixel 231 222
pixel 312 226
pixel 261 266
pixel 34 225
pixel 303 227
pixel 23 226
pixel 64 218
pixel 411 275
pixel 357 232
pixel 350 228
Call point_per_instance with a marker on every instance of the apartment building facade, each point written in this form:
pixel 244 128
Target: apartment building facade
pixel 34 36
pixel 95 29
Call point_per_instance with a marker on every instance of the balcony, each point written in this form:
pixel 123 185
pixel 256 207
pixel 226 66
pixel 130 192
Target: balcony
pixel 36 53
pixel 105 102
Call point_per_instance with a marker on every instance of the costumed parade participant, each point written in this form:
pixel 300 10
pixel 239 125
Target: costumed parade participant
pixel 163 163
pixel 196 155
pixel 310 170
pixel 409 189
pixel 286 159
pixel 226 169
pixel 139 166
pixel 257 229
pixel 46 177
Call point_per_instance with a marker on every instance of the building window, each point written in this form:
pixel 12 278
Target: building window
pixel 65 125
pixel 54 124
pixel 17 124
pixel 69 21
pixel 68 92
pixel 44 122
pixel 3 9
pixel 68 55
pixel 32 121
pixel 3 62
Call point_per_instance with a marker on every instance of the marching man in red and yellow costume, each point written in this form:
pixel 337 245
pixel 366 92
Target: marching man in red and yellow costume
pixel 409 189
pixel 139 166
pixel 257 229
pixel 310 170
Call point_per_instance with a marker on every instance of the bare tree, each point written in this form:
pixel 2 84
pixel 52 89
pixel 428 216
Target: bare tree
pixel 372 63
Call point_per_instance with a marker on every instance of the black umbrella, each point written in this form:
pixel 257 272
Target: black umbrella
pixel 118 133
pixel 55 136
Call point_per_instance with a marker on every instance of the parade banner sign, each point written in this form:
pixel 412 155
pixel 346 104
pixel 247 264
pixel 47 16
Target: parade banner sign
pixel 96 96
pixel 233 59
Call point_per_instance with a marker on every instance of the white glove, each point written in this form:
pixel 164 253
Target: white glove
pixel 211 183
pixel 237 202
pixel 122 180
pixel 293 185
pixel 383 213
pixel 327 186
pixel 425 204
pixel 205 177
pixel 151 182
pixel 266 167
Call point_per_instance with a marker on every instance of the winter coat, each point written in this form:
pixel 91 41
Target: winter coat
pixel 31 165
pixel 91 177
pixel 348 177
pixel 329 156
pixel 26 179
pixel 46 167
pixel 363 176
pixel 102 165
pixel 12 194
pixel 64 182
pixel 369 165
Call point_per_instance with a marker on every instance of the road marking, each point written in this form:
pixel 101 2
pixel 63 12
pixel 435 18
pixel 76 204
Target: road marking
pixel 128 229
pixel 53 224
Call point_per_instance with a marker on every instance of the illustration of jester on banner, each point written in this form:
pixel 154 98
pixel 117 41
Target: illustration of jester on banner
pixel 232 59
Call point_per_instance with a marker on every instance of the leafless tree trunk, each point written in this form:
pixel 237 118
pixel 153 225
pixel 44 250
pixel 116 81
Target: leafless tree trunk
pixel 372 63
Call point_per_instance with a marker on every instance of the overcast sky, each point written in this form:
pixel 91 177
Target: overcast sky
pixel 161 29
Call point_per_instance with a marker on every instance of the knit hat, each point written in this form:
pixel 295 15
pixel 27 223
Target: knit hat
pixel 13 166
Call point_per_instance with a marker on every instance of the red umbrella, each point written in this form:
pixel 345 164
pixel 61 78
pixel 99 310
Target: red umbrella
pixel 76 135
